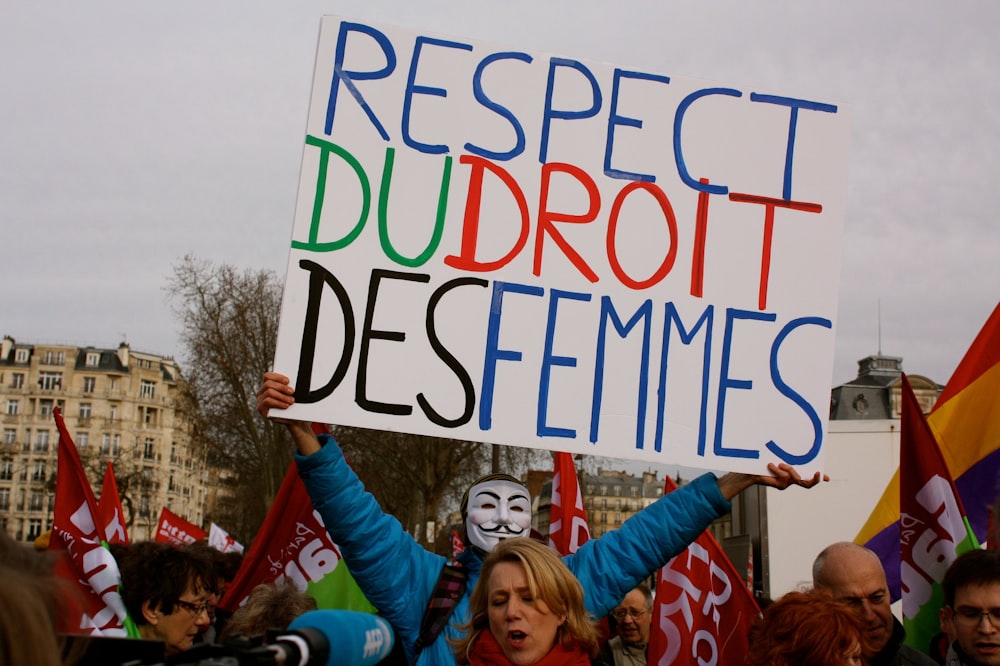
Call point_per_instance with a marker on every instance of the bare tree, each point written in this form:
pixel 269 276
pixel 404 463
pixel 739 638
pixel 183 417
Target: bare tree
pixel 229 329
pixel 229 325
pixel 136 485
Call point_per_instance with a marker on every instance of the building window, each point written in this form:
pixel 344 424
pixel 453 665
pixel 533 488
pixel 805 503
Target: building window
pixel 148 451
pixel 34 528
pixel 116 442
pixel 82 440
pixel 88 384
pixel 17 380
pixel 635 491
pixel 106 444
pixel 37 502
pixel 150 417
pixel 53 358
pixel 12 406
pixel 93 359
pixel 147 389
pixel 50 381
pixel 21 356
pixel 6 469
pixel 38 471
pixel 45 407
pixel 112 412
pixel 9 435
pixel 4 499
pixel 84 410
pixel 42 441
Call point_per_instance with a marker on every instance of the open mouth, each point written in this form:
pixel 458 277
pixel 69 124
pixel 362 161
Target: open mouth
pixel 516 638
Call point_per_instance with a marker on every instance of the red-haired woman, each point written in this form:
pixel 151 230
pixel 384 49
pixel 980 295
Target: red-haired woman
pixel 808 629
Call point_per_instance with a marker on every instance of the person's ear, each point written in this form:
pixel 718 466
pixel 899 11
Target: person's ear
pixel 150 613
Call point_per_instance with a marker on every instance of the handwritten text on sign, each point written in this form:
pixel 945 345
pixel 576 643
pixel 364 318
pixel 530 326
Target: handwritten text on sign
pixel 514 247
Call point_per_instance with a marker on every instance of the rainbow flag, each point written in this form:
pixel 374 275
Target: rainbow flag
pixel 966 423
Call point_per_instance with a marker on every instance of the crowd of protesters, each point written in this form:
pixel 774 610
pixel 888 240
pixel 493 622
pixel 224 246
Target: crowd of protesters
pixel 526 609
pixel 513 600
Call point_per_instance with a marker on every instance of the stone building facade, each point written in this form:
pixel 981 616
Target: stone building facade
pixel 120 406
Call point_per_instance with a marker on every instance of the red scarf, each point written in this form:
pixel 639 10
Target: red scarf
pixel 487 652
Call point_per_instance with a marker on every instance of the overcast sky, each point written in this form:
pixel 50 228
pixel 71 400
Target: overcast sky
pixel 133 133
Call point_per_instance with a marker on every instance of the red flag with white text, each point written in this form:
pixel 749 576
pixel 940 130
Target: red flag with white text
pixel 703 611
pixel 109 509
pixel 293 546
pixel 85 561
pixel 568 529
pixel 934 529
pixel 174 530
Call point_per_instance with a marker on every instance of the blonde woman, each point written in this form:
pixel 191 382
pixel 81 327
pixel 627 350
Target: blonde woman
pixel 527 610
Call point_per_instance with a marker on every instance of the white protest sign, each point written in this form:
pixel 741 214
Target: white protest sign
pixel 513 247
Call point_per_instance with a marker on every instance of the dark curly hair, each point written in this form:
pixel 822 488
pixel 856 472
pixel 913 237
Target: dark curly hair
pixel 160 573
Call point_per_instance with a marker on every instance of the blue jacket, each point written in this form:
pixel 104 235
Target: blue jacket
pixel 398 575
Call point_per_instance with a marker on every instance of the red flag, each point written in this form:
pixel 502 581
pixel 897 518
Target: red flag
pixel 175 530
pixel 568 528
pixel 109 509
pixel 933 527
pixel 456 544
pixel 293 545
pixel 78 532
pixel 703 610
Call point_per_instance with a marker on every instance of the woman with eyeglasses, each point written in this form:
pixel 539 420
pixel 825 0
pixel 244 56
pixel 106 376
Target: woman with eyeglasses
pixel 167 592
pixel 527 610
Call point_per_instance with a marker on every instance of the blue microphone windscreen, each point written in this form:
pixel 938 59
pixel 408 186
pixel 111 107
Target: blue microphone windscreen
pixel 355 638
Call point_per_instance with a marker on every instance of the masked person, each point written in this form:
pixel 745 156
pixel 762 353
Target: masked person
pixel 495 507
pixel 400 577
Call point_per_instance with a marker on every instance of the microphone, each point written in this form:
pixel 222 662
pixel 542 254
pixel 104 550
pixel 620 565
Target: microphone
pixel 334 637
